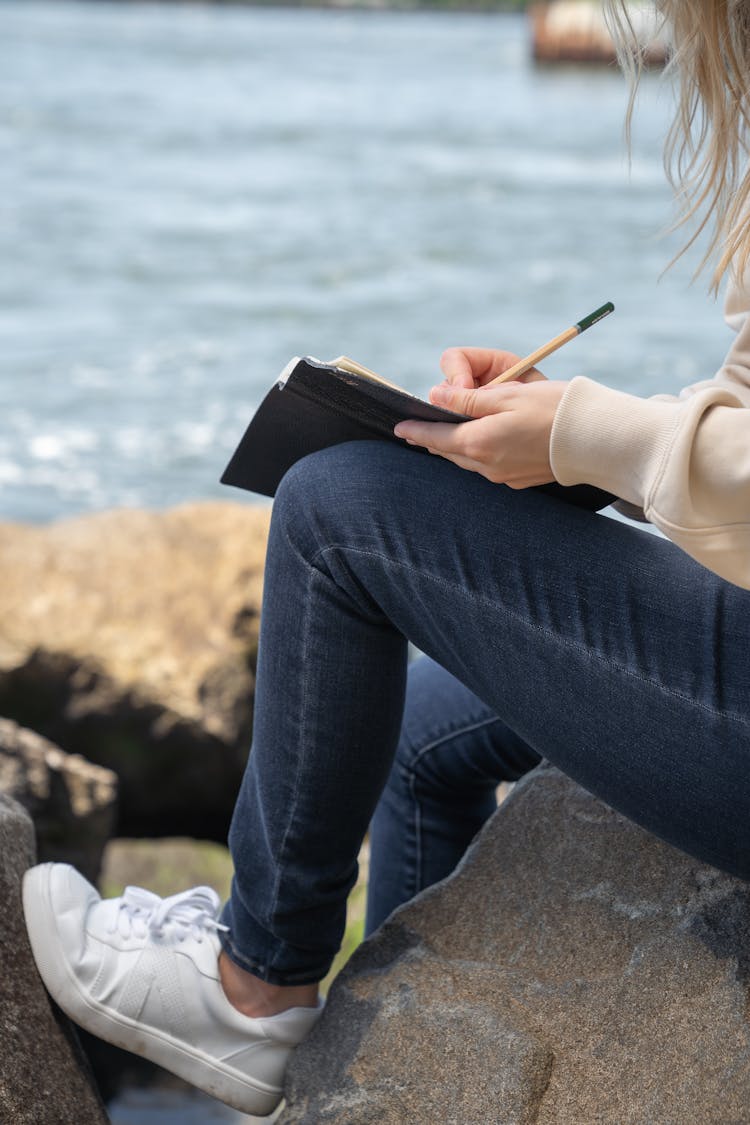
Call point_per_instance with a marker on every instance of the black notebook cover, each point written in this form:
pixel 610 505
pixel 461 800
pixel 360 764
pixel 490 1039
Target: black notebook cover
pixel 315 405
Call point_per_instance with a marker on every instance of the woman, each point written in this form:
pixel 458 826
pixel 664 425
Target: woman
pixel 522 605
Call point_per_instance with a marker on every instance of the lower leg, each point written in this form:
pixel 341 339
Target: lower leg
pixel 255 997
pixel 453 752
pixel 329 696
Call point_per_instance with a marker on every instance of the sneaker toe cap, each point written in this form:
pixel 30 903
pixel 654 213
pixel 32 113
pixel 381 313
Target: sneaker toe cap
pixel 62 900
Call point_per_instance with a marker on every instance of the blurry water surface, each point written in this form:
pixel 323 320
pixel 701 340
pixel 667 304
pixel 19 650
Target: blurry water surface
pixel 190 195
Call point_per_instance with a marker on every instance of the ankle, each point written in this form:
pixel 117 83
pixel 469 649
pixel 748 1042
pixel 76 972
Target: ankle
pixel 255 997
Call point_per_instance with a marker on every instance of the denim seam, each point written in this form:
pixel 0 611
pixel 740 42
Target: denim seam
pixel 566 641
pixel 298 758
pixel 412 786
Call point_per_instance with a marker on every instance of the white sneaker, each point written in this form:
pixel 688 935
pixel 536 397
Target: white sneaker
pixel 142 972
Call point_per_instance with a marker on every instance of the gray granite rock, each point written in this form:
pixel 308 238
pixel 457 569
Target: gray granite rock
pixel 573 970
pixel 71 802
pixel 44 1077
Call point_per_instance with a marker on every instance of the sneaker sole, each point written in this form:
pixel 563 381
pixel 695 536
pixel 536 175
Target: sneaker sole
pixel 226 1084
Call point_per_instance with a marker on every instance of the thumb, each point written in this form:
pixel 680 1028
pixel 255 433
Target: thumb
pixel 476 403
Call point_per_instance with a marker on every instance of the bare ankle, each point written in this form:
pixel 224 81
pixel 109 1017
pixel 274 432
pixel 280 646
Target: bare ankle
pixel 255 997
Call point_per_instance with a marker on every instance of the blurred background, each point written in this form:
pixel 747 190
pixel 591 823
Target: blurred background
pixel 190 194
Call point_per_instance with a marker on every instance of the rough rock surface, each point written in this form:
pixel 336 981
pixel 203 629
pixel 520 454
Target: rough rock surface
pixel 130 637
pixel 44 1077
pixel 71 801
pixel 573 970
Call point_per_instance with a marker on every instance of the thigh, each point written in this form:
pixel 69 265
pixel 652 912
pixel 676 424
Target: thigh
pixel 603 648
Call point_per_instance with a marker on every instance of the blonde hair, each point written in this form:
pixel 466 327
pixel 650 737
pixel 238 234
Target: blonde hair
pixel 706 150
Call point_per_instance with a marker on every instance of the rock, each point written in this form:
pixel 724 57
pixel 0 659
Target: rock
pixel 573 970
pixel 44 1077
pixel 130 637
pixel 71 802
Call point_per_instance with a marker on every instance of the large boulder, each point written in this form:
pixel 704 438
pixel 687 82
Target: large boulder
pixel 44 1076
pixel 573 970
pixel 130 637
pixel 71 802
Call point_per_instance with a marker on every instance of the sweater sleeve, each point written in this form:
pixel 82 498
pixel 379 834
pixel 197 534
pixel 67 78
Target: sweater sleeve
pixel 685 460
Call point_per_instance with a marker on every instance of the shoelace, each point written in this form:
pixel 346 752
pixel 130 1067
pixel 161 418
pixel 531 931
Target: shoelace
pixel 191 912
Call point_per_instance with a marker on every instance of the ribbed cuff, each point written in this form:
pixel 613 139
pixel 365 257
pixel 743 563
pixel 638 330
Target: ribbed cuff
pixel 610 439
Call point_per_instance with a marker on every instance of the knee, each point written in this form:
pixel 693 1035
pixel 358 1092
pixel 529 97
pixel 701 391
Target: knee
pixel 334 489
pixel 331 474
pixel 304 500
pixel 303 485
pixel 424 765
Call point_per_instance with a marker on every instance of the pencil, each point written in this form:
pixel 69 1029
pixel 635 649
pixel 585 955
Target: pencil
pixel 530 361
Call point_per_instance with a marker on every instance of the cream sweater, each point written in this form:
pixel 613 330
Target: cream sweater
pixel 685 461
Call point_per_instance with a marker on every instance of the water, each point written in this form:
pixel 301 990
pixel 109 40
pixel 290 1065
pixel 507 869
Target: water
pixel 190 195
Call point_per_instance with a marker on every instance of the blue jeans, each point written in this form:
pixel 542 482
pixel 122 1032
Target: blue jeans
pixel 558 633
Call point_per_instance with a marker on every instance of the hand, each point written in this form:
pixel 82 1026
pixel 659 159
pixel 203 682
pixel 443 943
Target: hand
pixel 508 442
pixel 473 367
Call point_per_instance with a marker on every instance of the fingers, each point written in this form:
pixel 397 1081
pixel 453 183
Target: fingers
pixel 477 403
pixel 506 436
pixel 456 365
pixel 469 367
pixel 438 437
pixel 458 459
